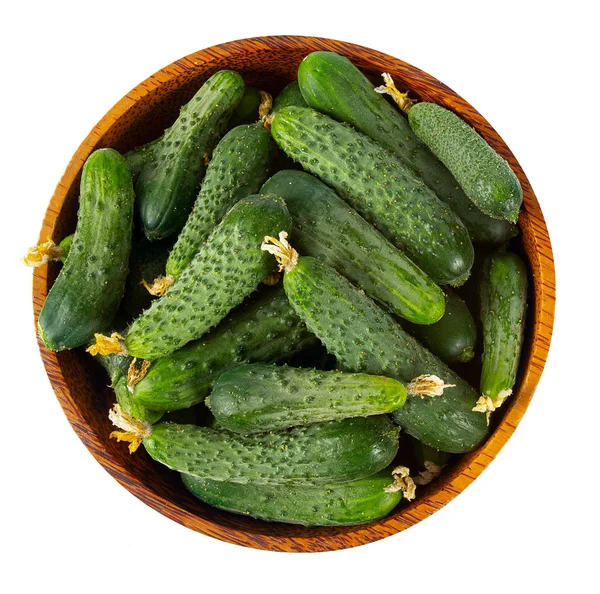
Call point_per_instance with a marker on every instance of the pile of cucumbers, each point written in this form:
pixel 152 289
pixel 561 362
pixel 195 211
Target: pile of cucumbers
pixel 284 302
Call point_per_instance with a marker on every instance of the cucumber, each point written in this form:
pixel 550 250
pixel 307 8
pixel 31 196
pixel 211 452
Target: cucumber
pixel 356 502
pixel 137 158
pixel 65 247
pixel 323 453
pixel 169 182
pixel 381 188
pixel 483 174
pixel 89 288
pixel 290 95
pixel 262 329
pixel 240 164
pixel 325 226
pixel 503 294
pixel 247 110
pixel 364 338
pixel 453 337
pixel 331 84
pixel 259 397
pixel 228 267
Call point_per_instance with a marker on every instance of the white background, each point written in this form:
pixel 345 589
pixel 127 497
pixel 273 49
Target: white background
pixel 530 522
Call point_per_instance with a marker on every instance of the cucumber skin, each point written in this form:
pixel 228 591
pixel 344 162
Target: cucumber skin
pixel 348 504
pixel 484 175
pixel 263 329
pixel 364 338
pixel 228 267
pixel 246 111
pixel 138 157
pixel 331 84
pixel 290 95
pixel 169 182
pixel 259 397
pixel 453 337
pixel 240 164
pixel 323 453
pixel 381 188
pixel 325 226
pixel 87 292
pixel 503 294
pixel 65 247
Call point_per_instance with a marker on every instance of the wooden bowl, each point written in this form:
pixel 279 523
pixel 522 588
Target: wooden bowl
pixel 80 386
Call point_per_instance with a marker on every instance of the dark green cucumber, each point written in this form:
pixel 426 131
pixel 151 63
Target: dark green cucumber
pixel 503 294
pixel 453 337
pixel 290 95
pixel 169 182
pixel 262 329
pixel 240 164
pixel 365 338
pixel 381 188
pixel 89 288
pixel 330 83
pixel 325 226
pixel 137 158
pixel 228 267
pixel 260 397
pixel 357 502
pixel 483 174
pixel 247 110
pixel 323 453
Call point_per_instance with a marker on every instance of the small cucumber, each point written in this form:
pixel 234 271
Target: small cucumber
pixel 65 247
pixel 453 337
pixel 169 182
pixel 247 110
pixel 228 267
pixel 262 329
pixel 483 174
pixel 323 453
pixel 381 188
pixel 89 288
pixel 259 397
pixel 137 158
pixel 325 226
pixel 503 294
pixel 356 502
pixel 240 164
pixel 290 95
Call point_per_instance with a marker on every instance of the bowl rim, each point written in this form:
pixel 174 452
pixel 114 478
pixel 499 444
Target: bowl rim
pixel 531 223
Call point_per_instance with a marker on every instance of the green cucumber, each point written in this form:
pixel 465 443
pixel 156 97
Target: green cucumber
pixel 364 338
pixel 424 453
pixel 381 188
pixel 65 247
pixel 330 83
pixel 323 453
pixel 356 502
pixel 247 110
pixel 228 267
pixel 262 329
pixel 87 292
pixel 137 158
pixel 453 337
pixel 169 182
pixel 483 174
pixel 259 397
pixel 325 226
pixel 290 95
pixel 503 294
pixel 240 164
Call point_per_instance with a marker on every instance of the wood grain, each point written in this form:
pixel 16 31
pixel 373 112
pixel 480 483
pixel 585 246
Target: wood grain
pixel 79 384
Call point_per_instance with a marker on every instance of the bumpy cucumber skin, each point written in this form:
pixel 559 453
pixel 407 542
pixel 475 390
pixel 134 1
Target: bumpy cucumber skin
pixel 453 337
pixel 138 157
pixel 484 175
pixel 87 292
pixel 381 188
pixel 263 329
pixel 228 267
pixel 168 184
pixel 260 397
pixel 325 226
pixel 290 95
pixel 247 110
pixel 323 453
pixel 348 504
pixel 365 338
pixel 503 294
pixel 240 164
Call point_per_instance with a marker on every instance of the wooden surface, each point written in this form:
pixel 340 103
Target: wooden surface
pixel 80 385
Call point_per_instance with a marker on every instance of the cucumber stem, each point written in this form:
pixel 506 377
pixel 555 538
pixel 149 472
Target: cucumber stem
pixel 486 405
pixel 107 345
pixel 134 430
pixel 402 482
pixel 431 472
pixel 285 254
pixel 159 286
pixel 265 106
pixel 427 385
pixel 136 372
pixel 42 253
pixel 272 279
pixel 402 100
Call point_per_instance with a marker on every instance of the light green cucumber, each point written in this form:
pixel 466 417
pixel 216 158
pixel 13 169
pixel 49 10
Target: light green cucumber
pixel 325 226
pixel 260 397
pixel 87 292
pixel 65 247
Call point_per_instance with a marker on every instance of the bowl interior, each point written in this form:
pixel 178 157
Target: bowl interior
pixel 80 384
